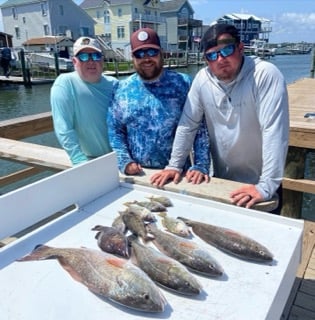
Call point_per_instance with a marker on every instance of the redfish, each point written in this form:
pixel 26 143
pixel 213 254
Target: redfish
pixel 230 241
pixel 164 270
pixel 186 252
pixel 104 274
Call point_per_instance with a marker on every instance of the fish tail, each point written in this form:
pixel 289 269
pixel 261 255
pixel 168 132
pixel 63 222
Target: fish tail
pixel 162 214
pixel 97 228
pixel 40 252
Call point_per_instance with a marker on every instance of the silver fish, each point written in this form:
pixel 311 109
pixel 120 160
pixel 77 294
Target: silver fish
pixel 174 225
pixel 230 241
pixel 186 252
pixel 153 206
pixel 163 269
pixel 112 240
pixel 107 275
pixel 165 201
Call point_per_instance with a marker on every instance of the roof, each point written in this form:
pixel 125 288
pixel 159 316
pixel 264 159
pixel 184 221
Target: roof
pixel 46 40
pixel 10 3
pixel 173 5
pixel 86 4
pixel 243 16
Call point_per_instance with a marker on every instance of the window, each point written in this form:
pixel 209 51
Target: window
pixel 106 17
pixel 120 32
pixel 119 12
pixel 43 7
pixel 14 13
pixel 17 32
pixel 24 20
pixel 46 29
pixel 84 31
pixel 62 30
pixel 61 11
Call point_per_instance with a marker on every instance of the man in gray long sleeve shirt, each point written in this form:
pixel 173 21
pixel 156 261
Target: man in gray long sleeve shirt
pixel 245 104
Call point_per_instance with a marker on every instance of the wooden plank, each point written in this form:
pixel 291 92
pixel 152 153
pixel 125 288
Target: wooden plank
pixel 217 189
pixel 35 154
pixel 27 126
pixel 301 185
pixel 19 175
pixel 302 139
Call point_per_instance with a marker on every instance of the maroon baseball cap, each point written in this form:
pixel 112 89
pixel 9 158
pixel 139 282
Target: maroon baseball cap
pixel 144 38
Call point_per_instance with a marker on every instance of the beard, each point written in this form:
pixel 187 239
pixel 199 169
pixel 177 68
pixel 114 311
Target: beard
pixel 149 72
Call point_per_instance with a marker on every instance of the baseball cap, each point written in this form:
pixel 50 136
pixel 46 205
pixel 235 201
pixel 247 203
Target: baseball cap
pixel 144 38
pixel 86 42
pixel 209 39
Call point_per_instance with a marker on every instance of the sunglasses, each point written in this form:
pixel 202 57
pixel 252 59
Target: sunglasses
pixel 224 52
pixel 85 56
pixel 140 54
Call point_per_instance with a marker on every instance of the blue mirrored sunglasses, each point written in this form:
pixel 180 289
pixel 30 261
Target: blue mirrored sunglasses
pixel 85 56
pixel 224 52
pixel 140 54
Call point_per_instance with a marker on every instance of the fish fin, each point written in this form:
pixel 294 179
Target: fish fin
pixel 187 244
pixel 98 235
pixel 74 274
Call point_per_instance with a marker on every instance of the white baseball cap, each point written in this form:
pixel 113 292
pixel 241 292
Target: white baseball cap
pixel 86 42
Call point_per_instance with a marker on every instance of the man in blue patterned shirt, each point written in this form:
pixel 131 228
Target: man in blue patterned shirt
pixel 146 109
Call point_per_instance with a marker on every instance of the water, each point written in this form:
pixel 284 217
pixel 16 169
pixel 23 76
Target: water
pixel 17 101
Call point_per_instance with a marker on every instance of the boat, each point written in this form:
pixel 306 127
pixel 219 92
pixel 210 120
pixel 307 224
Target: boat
pixel 259 48
pixel 47 60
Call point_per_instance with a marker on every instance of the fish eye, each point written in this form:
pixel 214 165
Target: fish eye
pixel 146 296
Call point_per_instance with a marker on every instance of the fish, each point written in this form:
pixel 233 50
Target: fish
pixel 106 275
pixel 174 225
pixel 153 206
pixel 230 241
pixel 185 251
pixel 165 201
pixel 144 213
pixel 164 270
pixel 136 225
pixel 119 224
pixel 112 240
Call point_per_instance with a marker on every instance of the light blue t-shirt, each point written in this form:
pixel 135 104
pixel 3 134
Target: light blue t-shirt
pixel 79 111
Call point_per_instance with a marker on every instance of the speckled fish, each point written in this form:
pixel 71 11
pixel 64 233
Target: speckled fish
pixel 144 213
pixel 112 240
pixel 230 241
pixel 174 225
pixel 165 201
pixel 164 270
pixel 186 252
pixel 107 275
pixel 136 225
pixel 153 206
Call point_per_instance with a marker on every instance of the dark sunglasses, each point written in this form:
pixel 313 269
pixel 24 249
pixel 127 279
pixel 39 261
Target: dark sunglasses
pixel 140 54
pixel 224 52
pixel 85 56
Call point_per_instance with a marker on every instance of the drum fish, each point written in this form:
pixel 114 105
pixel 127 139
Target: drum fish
pixel 230 241
pixel 115 278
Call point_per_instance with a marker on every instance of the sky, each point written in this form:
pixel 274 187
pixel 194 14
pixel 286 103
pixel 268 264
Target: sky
pixel 291 20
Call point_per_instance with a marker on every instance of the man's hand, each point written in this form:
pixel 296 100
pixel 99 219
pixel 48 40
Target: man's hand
pixel 246 196
pixel 133 168
pixel 160 178
pixel 196 177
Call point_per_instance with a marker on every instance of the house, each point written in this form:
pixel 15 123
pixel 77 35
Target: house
pixel 61 44
pixel 27 19
pixel 183 32
pixel 250 26
pixel 5 40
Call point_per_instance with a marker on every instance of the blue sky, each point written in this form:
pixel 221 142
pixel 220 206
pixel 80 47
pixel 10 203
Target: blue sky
pixel 292 20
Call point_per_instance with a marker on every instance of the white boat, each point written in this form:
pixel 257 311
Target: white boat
pixel 48 60
pixel 259 48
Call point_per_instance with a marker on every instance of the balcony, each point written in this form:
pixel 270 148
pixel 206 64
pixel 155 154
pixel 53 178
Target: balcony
pixel 148 18
pixel 193 23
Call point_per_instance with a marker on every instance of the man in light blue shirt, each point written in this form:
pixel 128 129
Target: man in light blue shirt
pixel 79 102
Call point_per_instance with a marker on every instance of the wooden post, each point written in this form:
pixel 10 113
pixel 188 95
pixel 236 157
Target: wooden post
pixel 57 70
pixel 295 166
pixel 25 70
pixel 313 63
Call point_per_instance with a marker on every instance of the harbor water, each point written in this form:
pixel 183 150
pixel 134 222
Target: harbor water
pixel 17 101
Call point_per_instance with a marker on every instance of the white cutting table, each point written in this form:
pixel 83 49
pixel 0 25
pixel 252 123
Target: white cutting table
pixel 44 290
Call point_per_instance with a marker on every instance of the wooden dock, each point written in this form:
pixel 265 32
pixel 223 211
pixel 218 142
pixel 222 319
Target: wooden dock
pixel 301 304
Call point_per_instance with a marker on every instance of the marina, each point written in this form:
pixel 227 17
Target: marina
pixel 300 303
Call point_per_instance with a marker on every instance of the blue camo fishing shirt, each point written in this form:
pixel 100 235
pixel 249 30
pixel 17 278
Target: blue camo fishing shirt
pixel 143 118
